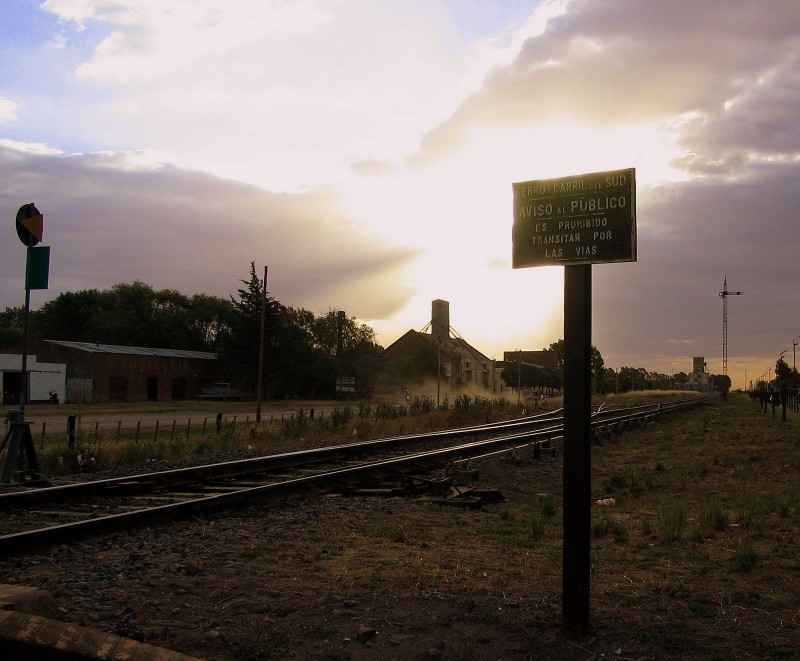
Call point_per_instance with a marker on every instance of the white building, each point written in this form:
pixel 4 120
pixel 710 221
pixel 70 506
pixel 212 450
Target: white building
pixel 42 378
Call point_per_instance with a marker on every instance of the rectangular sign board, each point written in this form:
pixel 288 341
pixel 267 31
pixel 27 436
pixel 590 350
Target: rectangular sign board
pixel 582 219
pixel 37 276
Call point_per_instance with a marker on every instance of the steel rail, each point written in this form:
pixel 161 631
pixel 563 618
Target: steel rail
pixel 145 482
pixel 38 538
pixel 62 533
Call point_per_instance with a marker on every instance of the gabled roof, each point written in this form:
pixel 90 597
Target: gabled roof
pixel 95 347
pixel 451 346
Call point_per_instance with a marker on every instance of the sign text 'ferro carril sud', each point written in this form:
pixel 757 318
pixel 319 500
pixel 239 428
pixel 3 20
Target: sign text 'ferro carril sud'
pixel 582 219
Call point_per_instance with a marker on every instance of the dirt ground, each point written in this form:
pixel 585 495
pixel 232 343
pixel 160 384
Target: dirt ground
pixel 697 559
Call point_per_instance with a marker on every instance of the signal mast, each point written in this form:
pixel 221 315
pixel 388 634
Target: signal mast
pixel 724 296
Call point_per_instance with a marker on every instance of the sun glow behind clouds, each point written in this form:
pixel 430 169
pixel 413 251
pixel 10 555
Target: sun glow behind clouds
pixel 457 211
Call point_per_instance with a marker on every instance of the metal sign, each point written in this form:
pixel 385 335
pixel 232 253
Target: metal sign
pixel 581 219
pixel 38 271
pixel 30 225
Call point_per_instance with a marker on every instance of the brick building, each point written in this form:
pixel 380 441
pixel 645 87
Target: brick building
pixel 106 373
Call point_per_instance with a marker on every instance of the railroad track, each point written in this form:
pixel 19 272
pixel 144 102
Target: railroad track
pixel 35 519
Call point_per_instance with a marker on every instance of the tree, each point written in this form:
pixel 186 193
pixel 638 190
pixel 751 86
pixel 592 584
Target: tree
pixel 598 365
pixel 339 335
pixel 67 316
pixel 350 344
pixel 558 353
pixel 12 321
pixel 301 351
pixel 134 315
pixel 721 382
pixel 298 368
pixel 125 316
pixel 607 381
pixel 238 350
pixel 529 376
pixel 632 378
pixel 209 319
pixel 596 361
pixel 783 372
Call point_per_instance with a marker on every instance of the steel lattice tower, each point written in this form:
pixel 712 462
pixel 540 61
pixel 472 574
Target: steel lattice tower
pixel 724 296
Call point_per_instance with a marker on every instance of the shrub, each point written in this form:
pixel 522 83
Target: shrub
pixel 671 521
pixel 745 557
pixel 714 518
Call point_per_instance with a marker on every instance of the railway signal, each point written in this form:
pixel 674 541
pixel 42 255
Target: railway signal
pixel 30 225
pixel 724 296
pixel 18 443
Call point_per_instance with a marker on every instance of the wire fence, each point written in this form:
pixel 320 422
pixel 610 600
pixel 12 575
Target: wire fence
pixel 786 399
pixel 77 429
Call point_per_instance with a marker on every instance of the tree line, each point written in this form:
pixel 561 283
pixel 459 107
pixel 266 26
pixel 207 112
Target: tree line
pixel 604 379
pixel 304 352
pixel 785 377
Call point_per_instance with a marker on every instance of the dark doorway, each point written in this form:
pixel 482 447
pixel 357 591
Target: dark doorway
pixel 152 388
pixel 12 382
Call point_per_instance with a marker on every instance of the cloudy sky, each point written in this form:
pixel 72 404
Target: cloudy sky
pixel 365 151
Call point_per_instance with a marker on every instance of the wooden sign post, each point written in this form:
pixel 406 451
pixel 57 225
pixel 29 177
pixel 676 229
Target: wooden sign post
pixel 576 221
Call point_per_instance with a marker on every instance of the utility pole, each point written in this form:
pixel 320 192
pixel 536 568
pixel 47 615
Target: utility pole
pixel 724 296
pixel 260 382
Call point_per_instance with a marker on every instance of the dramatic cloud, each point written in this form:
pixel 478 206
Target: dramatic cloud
pixel 110 222
pixel 628 62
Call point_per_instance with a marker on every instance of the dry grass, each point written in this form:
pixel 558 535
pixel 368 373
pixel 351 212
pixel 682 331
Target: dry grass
pixel 698 559
pixel 175 439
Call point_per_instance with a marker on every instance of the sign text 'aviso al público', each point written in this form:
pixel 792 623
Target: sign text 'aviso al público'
pixel 582 219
